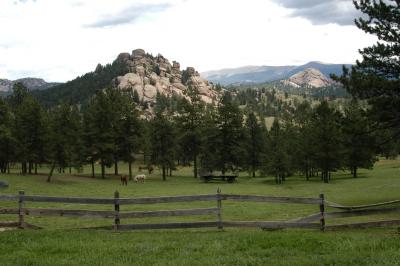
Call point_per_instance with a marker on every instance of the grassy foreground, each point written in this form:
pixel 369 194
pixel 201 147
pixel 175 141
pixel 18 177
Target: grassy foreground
pixel 58 245
pixel 234 247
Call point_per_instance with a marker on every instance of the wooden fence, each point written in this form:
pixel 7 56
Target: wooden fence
pixel 315 221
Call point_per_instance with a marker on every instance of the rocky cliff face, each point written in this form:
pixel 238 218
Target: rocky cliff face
pixel 310 77
pixel 29 83
pixel 149 75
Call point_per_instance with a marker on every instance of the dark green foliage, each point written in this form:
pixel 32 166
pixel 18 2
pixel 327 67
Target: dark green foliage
pixel 277 160
pixel 376 78
pixel 327 136
pixel 30 128
pixel 304 142
pixel 163 143
pixel 7 140
pixel 358 142
pixel 255 145
pixel 229 139
pixel 185 76
pixel 135 97
pixel 99 129
pixel 128 129
pixel 190 123
pixel 66 147
pixel 82 88
pixel 210 141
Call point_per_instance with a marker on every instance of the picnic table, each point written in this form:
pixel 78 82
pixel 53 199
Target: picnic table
pixel 230 178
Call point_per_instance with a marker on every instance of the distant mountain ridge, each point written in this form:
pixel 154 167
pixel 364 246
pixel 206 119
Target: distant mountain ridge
pixel 30 83
pixel 260 74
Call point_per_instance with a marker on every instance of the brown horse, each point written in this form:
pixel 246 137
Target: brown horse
pixel 124 180
pixel 149 168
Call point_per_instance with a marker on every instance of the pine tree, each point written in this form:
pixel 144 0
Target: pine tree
pixel 255 142
pixel 327 136
pixel 65 138
pixel 358 141
pixel 129 132
pixel 30 130
pixel 163 143
pixel 7 140
pixel 190 123
pixel 210 141
pixel 230 150
pixel 276 160
pixel 99 131
pixel 376 78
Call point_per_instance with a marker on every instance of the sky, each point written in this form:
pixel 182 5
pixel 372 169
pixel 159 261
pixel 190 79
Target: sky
pixel 59 40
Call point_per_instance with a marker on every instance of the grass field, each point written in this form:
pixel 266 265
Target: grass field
pixel 60 244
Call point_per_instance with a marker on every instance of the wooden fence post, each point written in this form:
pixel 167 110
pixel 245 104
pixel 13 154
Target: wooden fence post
pixel 322 210
pixel 21 221
pixel 219 206
pixel 116 209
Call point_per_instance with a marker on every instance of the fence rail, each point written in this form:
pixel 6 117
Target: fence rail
pixel 314 221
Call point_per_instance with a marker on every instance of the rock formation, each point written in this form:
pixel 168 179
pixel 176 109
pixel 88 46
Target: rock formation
pixel 310 77
pixel 149 75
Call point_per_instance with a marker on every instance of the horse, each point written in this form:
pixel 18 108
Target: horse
pixel 140 178
pixel 149 168
pixel 124 180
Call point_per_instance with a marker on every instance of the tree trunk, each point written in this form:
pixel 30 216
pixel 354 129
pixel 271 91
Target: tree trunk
pixel 92 168
pixel 163 173
pixel 307 173
pixel 103 170
pixel 8 168
pixel 23 168
pixel 116 167
pixel 51 172
pixel 130 170
pixel 195 166
pixel 326 176
pixel 30 167
pixel 355 171
pixel 35 168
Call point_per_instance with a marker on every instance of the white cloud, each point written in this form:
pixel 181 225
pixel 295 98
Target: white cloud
pixel 50 39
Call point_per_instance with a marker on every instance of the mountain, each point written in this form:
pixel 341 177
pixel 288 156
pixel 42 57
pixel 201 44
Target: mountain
pixel 309 77
pixel 30 83
pixel 148 75
pixel 259 74
pixel 137 73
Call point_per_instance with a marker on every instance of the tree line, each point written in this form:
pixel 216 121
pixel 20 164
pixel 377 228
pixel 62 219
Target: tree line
pixel 223 137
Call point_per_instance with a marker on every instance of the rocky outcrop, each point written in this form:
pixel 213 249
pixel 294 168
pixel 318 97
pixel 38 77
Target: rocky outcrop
pixel 149 75
pixel 310 77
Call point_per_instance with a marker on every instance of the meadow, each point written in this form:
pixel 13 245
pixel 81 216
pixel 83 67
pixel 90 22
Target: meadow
pixel 61 243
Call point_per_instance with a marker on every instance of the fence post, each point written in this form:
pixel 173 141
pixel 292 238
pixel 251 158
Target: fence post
pixel 21 213
pixel 322 210
pixel 219 207
pixel 116 209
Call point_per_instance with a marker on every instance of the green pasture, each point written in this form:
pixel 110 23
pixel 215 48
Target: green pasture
pixel 61 243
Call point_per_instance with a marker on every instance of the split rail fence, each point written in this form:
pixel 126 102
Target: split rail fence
pixel 314 221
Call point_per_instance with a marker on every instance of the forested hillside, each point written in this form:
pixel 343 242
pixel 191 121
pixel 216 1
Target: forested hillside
pixel 82 88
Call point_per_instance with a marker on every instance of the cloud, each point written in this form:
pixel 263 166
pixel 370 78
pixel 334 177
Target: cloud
pixel 128 15
pixel 24 1
pixel 341 12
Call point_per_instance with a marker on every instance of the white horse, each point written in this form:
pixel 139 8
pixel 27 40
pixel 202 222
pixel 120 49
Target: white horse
pixel 140 178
